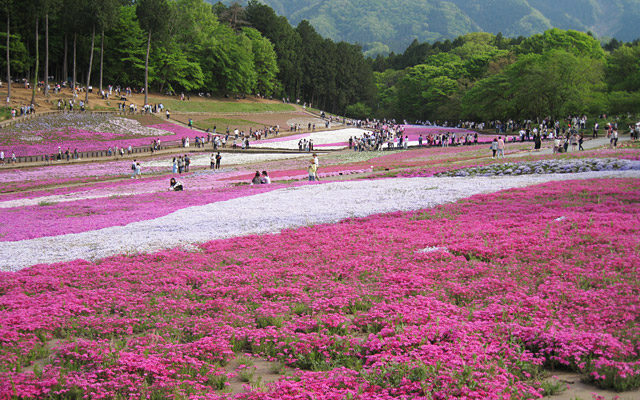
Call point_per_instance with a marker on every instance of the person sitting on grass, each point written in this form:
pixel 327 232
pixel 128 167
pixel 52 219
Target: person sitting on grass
pixel 175 185
pixel 256 179
pixel 265 180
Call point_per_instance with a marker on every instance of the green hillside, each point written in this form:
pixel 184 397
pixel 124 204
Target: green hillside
pixel 394 24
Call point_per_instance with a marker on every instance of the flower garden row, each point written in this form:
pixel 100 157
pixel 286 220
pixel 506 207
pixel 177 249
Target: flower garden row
pixel 96 132
pixel 100 203
pixel 350 310
pixel 51 133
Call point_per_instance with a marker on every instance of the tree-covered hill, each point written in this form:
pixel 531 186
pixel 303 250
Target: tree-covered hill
pixel 381 25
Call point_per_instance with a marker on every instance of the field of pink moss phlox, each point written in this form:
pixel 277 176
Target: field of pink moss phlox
pixel 439 303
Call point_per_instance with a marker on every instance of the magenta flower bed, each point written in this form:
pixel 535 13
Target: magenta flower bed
pixel 30 222
pixel 98 141
pixel 441 303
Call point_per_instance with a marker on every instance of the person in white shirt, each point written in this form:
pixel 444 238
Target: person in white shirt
pixel 265 180
pixel 175 185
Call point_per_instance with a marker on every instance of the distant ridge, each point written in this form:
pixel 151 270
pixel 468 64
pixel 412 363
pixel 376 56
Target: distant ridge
pixel 391 25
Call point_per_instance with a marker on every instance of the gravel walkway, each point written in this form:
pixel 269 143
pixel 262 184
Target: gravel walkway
pixel 268 213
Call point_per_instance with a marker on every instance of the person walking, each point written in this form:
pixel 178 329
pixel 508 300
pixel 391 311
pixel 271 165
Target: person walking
pixel 580 141
pixel 138 171
pixel 174 167
pixel 133 169
pixel 317 163
pixel 218 159
pixel 312 169
pixel 180 164
pixel 494 148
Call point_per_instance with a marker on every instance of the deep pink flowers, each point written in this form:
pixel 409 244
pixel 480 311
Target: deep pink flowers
pixel 518 280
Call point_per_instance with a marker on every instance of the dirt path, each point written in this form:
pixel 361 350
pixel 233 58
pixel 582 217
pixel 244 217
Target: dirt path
pixel 578 390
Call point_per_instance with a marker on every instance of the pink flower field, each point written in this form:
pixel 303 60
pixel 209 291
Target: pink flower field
pixel 484 298
pixel 479 299
pixel 88 140
pixel 52 219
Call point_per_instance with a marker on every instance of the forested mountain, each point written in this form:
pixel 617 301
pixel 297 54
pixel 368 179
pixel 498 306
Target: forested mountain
pixel 391 25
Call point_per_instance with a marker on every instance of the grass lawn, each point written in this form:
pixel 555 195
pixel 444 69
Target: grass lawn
pixel 108 107
pixel 222 123
pixel 213 106
pixel 5 113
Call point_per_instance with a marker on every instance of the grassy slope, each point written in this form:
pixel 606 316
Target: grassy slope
pixel 213 106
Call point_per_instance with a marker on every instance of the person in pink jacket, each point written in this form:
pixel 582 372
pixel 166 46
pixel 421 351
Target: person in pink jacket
pixel 500 147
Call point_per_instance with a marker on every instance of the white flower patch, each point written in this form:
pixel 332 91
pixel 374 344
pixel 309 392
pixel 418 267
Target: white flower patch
pixel 30 138
pixel 319 138
pixel 126 126
pixel 267 213
pixel 428 250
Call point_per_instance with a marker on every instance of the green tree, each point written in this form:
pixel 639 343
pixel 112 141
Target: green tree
pixel 554 84
pixel 8 8
pixel 125 54
pixel 265 62
pixel 312 57
pixel 623 68
pixel 577 43
pixel 488 99
pixel 107 15
pixel 426 87
pixel 37 68
pixel 153 16
pixel 358 111
pixel 287 43
pixel 173 68
pixel 49 7
pixel 387 93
